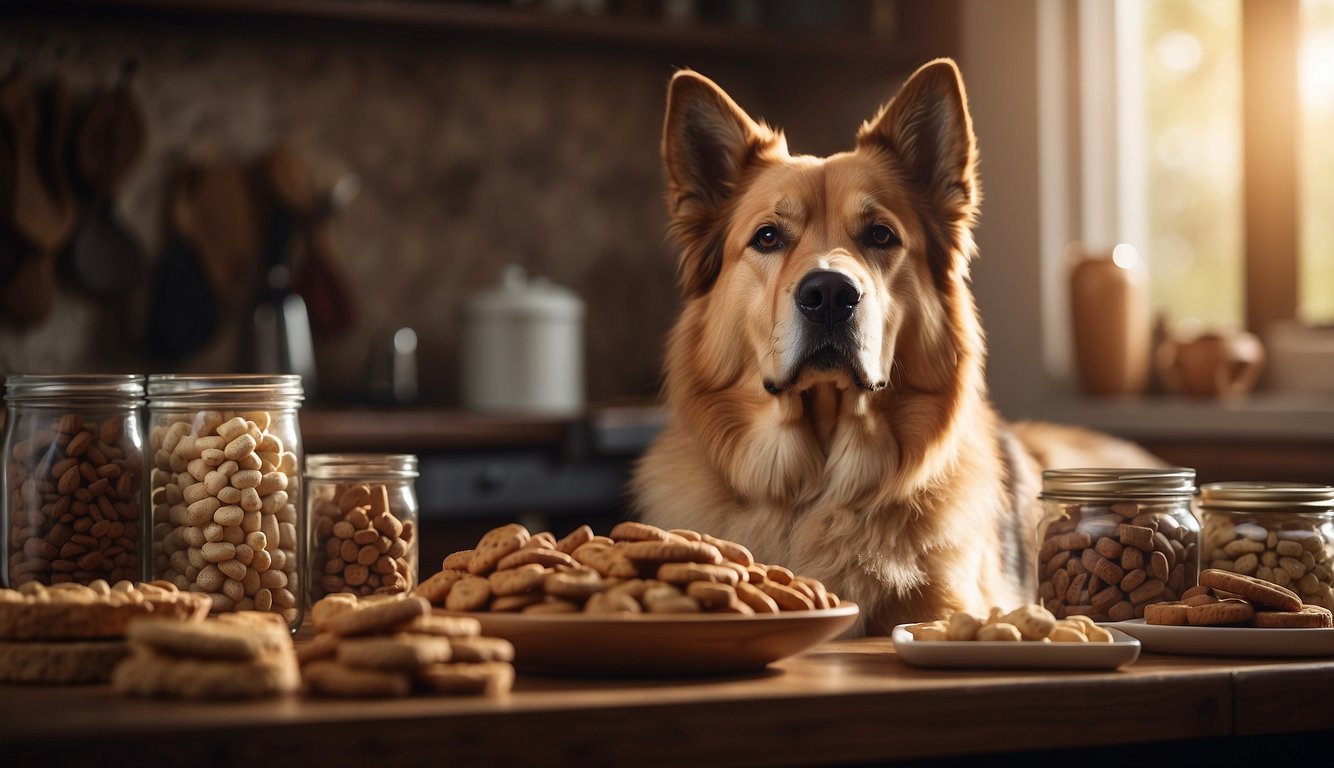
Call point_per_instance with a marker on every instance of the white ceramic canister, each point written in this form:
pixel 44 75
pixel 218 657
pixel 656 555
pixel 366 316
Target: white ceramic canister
pixel 523 347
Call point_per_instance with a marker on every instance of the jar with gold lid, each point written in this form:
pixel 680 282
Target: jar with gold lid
pixel 73 475
pixel 226 473
pixel 1112 541
pixel 1280 532
pixel 363 523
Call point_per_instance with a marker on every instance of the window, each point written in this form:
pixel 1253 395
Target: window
pixel 1183 69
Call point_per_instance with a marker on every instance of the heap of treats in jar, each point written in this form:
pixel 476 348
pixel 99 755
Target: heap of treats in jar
pixel 1300 557
pixel 224 511
pixel 74 503
pixel 361 546
pixel 1109 561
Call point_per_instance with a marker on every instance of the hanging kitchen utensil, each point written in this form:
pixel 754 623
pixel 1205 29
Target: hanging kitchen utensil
pixel 280 325
pixel 105 258
pixel 183 310
pixel 220 225
pixel 40 208
pixel 316 275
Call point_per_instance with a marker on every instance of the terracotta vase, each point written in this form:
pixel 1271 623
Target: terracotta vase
pixel 1110 310
pixel 1212 364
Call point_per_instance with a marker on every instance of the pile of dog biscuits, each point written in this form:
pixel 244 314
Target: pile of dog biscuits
pixel 639 568
pixel 390 646
pixel 1030 622
pixel 241 655
pixel 1223 598
pixel 72 633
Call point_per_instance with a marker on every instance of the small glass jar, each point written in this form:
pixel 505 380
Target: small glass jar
pixel 1280 532
pixel 363 523
pixel 73 479
pixel 225 457
pixel 1112 541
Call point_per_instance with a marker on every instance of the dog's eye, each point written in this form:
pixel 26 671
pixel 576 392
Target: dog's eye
pixel 767 239
pixel 881 236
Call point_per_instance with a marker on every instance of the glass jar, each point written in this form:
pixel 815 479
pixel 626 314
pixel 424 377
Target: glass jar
pixel 225 457
pixel 363 523
pixel 1280 532
pixel 74 479
pixel 1112 541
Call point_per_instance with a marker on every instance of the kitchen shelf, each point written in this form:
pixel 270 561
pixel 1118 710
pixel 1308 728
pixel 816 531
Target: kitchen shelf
pixel 933 29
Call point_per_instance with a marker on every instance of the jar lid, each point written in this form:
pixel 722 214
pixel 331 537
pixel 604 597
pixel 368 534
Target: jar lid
pixel 92 386
pixel 235 389
pixel 350 466
pixel 1259 496
pixel 518 296
pixel 1097 483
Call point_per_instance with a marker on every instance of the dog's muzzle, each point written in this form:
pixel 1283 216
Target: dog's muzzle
pixel 827 298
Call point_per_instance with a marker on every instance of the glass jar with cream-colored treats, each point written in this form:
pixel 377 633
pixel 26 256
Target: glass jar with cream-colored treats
pixel 1112 541
pixel 225 483
pixel 1280 532
pixel 363 523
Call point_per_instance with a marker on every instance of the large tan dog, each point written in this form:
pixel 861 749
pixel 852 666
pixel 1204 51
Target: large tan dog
pixel 825 378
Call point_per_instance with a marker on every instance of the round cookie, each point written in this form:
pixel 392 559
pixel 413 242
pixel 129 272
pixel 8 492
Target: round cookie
pixel 60 662
pixel 489 677
pixel 329 678
pixel 378 617
pixel 631 530
pixel 1257 591
pixel 678 551
pixel 495 545
pixel 1173 614
pixel 1223 612
pixel 1309 617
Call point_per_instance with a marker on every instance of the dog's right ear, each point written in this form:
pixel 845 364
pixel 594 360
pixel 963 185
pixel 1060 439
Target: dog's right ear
pixel 708 142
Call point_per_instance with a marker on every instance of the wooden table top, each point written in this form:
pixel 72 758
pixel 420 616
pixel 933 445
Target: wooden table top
pixel 845 701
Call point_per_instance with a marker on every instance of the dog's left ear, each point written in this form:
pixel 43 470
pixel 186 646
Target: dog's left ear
pixel 928 127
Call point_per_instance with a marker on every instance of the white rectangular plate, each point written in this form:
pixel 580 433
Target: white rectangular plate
pixel 1229 641
pixel 1023 655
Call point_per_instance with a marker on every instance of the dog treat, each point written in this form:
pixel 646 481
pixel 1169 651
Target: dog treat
pixel 389 646
pixel 640 568
pixel 1111 560
pixel 84 661
pixel 1297 554
pixel 361 544
pixel 1030 623
pixel 1254 590
pixel 74 503
pixel 225 493
pixel 90 612
pixel 245 655
pixel 1224 598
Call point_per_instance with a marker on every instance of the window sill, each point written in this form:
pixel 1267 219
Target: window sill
pixel 1263 417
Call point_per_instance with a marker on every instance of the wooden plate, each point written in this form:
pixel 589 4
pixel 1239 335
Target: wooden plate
pixel 654 645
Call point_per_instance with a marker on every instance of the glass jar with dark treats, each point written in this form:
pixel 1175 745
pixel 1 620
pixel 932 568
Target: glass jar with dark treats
pixel 363 523
pixel 73 479
pixel 226 472
pixel 1280 532
pixel 1112 541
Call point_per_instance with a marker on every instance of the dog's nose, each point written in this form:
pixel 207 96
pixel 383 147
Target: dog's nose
pixel 826 297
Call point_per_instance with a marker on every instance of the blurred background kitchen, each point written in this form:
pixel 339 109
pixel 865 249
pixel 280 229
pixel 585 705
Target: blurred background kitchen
pixel 380 194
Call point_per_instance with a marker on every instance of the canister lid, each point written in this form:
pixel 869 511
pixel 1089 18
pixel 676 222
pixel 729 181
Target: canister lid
pixel 169 388
pixel 518 296
pixel 95 386
pixel 1311 497
pixel 351 466
pixel 1131 483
